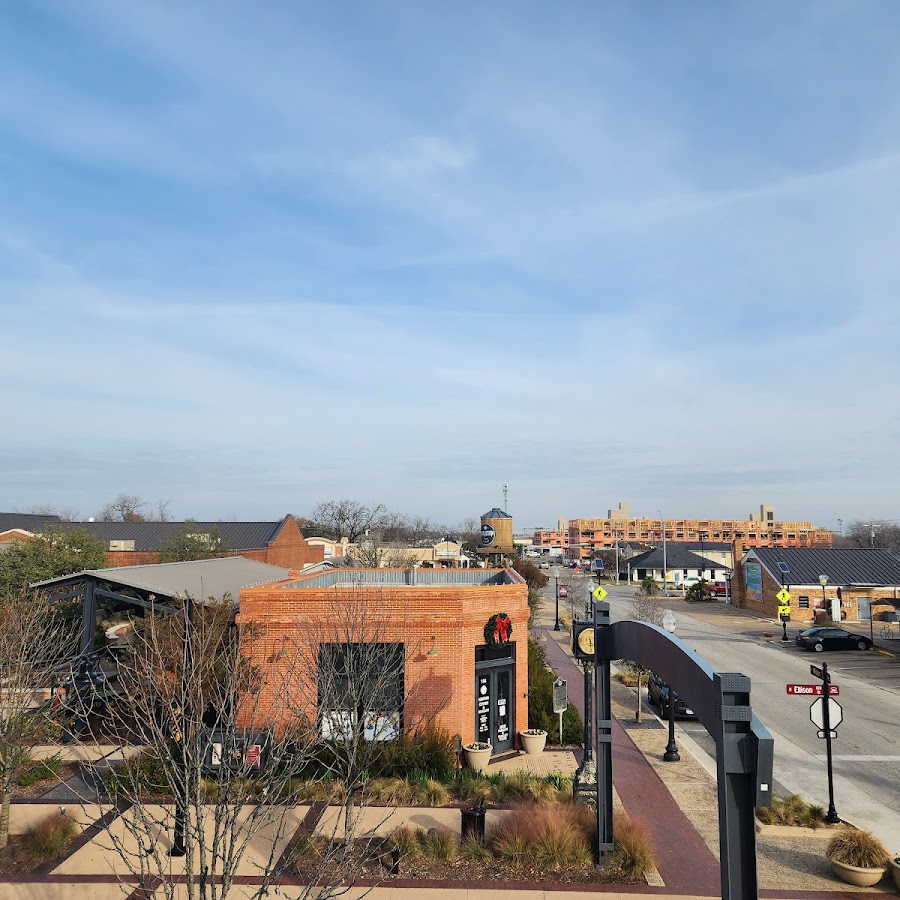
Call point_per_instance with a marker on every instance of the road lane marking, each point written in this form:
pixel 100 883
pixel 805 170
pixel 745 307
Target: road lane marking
pixel 859 757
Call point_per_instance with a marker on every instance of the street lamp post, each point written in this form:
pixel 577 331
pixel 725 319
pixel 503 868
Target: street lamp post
pixel 702 535
pixel 662 523
pixel 556 626
pixel 671 754
pixel 823 580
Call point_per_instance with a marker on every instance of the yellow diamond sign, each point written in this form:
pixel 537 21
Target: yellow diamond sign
pixel 784 596
pixel 599 592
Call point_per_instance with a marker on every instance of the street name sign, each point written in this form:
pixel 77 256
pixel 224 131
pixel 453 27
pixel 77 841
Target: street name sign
pixel 817 671
pixel 784 596
pixel 817 713
pixel 599 592
pixel 811 690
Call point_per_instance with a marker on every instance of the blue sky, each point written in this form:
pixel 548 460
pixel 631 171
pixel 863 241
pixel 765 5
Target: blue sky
pixel 258 255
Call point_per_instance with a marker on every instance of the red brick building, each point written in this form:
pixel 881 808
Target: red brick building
pixel 460 638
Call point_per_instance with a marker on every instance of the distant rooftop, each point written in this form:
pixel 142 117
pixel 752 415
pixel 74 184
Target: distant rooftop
pixel 405 577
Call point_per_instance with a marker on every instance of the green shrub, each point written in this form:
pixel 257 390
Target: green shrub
pixel 472 848
pixel 145 773
pixel 540 701
pixel 632 851
pixel 429 751
pixel 791 810
pixel 432 793
pixel 40 770
pixel 49 838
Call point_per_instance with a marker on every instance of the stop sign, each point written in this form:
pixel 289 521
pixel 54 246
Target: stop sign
pixel 817 712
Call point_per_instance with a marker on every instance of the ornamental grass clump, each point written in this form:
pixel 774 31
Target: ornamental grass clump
pixel 791 810
pixel 49 838
pixel 858 847
pixel 552 836
pixel 632 851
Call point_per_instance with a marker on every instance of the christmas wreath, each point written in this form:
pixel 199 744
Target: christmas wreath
pixel 498 630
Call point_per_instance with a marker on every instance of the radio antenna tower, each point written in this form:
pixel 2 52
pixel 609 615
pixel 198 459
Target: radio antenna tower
pixel 505 494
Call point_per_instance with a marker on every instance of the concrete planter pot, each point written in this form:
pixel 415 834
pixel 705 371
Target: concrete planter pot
pixel 533 741
pixel 855 875
pixel 895 871
pixel 478 755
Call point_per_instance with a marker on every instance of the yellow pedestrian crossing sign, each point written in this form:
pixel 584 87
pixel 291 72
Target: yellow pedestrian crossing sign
pixel 784 597
pixel 599 592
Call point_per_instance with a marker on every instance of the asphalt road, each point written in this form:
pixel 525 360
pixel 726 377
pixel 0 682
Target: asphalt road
pixel 867 748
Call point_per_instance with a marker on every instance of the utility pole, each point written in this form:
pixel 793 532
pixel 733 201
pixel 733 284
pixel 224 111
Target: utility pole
pixel 872 526
pixel 505 495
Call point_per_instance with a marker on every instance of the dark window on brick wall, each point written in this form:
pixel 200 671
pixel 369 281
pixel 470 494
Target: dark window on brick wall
pixel 803 602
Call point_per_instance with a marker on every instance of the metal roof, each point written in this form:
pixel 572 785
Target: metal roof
pixel 152 536
pixel 408 578
pixel 26 521
pixel 496 514
pixel 842 566
pixel 200 579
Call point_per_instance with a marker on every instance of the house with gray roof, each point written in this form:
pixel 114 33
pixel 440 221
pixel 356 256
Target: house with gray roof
pixel 681 566
pixel 853 584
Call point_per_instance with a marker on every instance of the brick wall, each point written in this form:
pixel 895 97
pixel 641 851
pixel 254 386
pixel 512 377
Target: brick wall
pixel 441 687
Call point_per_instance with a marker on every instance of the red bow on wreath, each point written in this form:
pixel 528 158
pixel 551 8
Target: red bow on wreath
pixel 498 629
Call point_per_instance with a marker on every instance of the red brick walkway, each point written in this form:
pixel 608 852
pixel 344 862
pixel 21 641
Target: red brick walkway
pixel 685 863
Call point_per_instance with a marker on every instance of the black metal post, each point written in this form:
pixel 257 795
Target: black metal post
pixel 181 736
pixel 88 617
pixel 602 658
pixel 671 754
pixel 831 816
pixel 784 636
pixel 588 710
pixel 556 626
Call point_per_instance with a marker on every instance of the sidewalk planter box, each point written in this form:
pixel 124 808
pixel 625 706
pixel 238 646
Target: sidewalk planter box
pixel 533 741
pixel 478 755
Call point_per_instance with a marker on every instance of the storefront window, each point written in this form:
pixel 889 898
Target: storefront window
pixel 361 690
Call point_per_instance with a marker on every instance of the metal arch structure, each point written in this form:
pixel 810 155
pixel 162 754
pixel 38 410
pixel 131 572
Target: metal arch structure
pixel 721 700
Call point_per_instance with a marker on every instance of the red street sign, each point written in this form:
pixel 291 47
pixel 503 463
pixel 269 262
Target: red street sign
pixel 254 754
pixel 563 590
pixel 811 690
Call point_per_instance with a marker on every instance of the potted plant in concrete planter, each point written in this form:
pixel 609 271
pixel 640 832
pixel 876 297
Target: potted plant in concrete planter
pixel 895 871
pixel 533 740
pixel 478 755
pixel 857 857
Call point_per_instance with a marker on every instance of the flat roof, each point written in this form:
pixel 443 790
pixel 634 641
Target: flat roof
pixel 405 578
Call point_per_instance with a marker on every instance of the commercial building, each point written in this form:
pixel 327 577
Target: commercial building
pixel 457 637
pixel 824 583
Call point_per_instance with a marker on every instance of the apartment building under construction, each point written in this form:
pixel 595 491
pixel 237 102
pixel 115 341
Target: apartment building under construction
pixel 759 530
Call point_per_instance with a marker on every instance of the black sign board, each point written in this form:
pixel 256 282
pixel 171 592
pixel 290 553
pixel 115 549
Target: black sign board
pixel 815 670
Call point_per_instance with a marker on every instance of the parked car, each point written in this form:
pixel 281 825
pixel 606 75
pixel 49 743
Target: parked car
pixel 658 695
pixel 719 588
pixel 825 637
pixel 544 565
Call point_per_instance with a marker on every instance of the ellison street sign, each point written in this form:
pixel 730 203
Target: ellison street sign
pixel 811 690
pixel 817 713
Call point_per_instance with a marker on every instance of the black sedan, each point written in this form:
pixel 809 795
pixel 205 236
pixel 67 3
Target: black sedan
pixel 658 695
pixel 826 638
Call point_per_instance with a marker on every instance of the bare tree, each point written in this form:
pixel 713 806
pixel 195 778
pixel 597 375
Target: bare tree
pixel 469 533
pixel 65 514
pixel 874 533
pixel 644 608
pixel 239 725
pixel 125 508
pixel 347 518
pixel 369 554
pixel 35 642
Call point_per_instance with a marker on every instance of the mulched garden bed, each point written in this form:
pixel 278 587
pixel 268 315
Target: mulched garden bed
pixel 427 868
